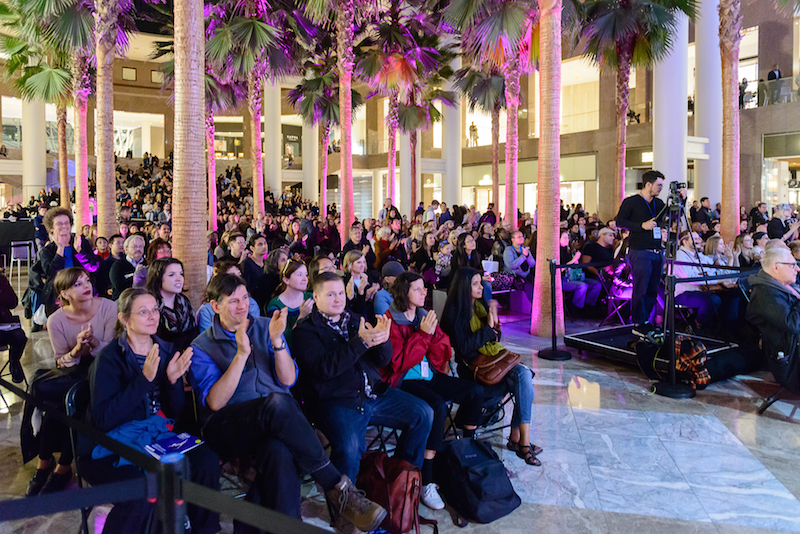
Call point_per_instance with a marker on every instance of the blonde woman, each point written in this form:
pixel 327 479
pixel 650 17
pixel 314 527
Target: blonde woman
pixel 360 289
pixel 720 253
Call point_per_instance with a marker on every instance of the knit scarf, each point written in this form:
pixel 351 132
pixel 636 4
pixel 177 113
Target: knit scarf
pixel 492 348
pixel 178 319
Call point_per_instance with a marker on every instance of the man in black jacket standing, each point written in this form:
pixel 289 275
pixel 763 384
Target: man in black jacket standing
pixel 642 215
pixel 339 358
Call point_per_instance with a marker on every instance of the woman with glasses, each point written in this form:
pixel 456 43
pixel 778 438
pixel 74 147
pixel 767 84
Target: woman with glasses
pixel 292 294
pixel 136 390
pixel 177 323
pixel 78 331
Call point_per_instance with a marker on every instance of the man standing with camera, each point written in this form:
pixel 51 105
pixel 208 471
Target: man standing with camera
pixel 642 215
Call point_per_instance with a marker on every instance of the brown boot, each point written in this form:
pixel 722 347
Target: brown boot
pixel 351 503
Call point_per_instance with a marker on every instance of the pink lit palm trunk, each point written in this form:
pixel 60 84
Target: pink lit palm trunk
pixel 323 189
pixel 346 59
pixel 211 160
pixel 63 174
pixel 254 96
pixel 189 229
pixel 730 25
pixel 80 105
pixel 496 161
pixel 549 170
pixel 624 51
pixel 106 41
pixel 392 120
pixel 412 145
pixel 512 139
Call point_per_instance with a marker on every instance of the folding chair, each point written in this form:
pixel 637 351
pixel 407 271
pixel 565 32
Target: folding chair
pixel 5 372
pixel 76 404
pixel 616 298
pixel 493 412
pixel 21 251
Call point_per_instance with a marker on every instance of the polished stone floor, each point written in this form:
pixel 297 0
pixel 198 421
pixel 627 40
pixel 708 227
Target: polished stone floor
pixel 617 458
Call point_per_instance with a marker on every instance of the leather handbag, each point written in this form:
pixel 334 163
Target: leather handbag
pixel 489 370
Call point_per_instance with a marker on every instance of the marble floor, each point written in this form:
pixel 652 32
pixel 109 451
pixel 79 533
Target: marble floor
pixel 617 458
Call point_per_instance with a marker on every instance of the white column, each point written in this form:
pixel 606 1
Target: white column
pixel 311 162
pixel 670 99
pixel 452 136
pixel 34 149
pixel 147 139
pixel 377 196
pixel 403 198
pixel 708 101
pixel 273 138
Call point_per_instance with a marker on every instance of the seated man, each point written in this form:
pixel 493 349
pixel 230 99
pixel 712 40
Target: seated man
pixel 121 273
pixel 775 310
pixel 242 372
pixel 340 358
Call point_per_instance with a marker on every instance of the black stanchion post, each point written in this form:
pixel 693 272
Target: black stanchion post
pixel 171 506
pixel 553 353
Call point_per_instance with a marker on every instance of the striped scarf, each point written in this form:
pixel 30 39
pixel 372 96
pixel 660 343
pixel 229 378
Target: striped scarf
pixel 178 319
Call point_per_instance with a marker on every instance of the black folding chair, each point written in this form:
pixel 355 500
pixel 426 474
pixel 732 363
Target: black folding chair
pixel 76 404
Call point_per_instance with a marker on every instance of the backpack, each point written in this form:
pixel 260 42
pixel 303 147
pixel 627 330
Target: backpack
pixel 394 484
pixel 474 482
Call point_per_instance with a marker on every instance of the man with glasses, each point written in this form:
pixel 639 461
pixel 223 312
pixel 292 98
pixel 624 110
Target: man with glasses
pixel 775 310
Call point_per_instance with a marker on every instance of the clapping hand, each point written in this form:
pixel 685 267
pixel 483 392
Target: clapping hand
pixel 277 326
pixel 372 290
pixel 178 365
pixel 242 339
pixel 150 367
pixel 493 319
pixel 76 245
pixel 305 308
pixel 365 250
pixel 429 323
pixel 376 335
pixel 350 289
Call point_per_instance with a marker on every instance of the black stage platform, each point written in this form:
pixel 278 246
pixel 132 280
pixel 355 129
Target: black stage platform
pixel 615 343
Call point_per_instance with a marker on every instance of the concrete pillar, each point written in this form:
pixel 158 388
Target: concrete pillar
pixel 273 138
pixel 452 136
pixel 670 97
pixel 34 149
pixel 403 197
pixel 377 190
pixel 708 101
pixel 147 145
pixel 311 162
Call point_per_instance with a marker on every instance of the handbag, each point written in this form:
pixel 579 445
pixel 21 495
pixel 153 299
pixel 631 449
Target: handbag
pixel 489 370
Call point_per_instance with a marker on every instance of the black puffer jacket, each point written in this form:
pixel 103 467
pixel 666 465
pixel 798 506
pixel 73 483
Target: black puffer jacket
pixel 775 311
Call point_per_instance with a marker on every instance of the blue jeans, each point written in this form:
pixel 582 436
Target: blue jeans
pixel 646 271
pixel 583 291
pixel 487 290
pixel 519 382
pixel 345 426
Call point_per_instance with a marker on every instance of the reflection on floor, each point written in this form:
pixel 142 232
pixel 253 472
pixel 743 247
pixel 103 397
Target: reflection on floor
pixel 617 459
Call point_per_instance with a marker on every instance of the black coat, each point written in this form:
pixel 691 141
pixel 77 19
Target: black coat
pixel 775 311
pixel 121 277
pixel 48 263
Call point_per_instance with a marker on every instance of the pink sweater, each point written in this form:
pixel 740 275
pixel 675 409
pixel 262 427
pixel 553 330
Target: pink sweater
pixel 64 332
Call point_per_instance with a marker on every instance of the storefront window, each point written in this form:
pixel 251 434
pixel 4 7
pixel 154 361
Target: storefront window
pixel 137 133
pixel 12 122
pixel 580 97
pixel 478 129
pixel 228 137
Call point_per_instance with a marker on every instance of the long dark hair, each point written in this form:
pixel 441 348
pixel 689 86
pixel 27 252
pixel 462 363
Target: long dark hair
pixel 156 272
pixel 460 258
pixel 458 308
pixel 400 289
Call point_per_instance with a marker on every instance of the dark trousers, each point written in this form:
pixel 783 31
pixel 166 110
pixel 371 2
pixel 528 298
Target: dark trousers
pixel 16 340
pixel 132 517
pixel 274 430
pixel 646 271
pixel 705 302
pixel 440 389
pixel 345 426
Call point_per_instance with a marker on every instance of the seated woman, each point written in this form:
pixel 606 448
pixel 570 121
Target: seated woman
pixel 360 288
pixel 273 266
pixel 78 331
pixel 292 294
pixel 420 366
pixel 158 248
pixel 177 323
pixel 135 384
pixel 474 329
pixel 466 255
pixel 744 243
pixel 424 259
pixel 584 290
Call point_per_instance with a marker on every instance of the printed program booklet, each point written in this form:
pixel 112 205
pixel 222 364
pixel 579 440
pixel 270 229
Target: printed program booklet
pixel 182 443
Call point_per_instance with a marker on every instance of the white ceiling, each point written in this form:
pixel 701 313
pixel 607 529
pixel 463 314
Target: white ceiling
pixel 141 47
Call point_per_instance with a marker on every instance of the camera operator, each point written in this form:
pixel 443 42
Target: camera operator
pixel 642 214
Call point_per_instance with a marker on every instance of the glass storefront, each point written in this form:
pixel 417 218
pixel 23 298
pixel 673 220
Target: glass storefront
pixel 580 98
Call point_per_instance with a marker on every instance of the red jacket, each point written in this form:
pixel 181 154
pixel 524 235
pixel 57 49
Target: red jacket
pixel 410 344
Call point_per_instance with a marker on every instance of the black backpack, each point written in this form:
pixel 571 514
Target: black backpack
pixel 474 482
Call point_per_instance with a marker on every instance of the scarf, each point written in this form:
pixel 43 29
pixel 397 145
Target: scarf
pixel 178 319
pixel 492 348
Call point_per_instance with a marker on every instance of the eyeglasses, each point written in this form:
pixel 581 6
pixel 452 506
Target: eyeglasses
pixel 147 313
pixel 793 265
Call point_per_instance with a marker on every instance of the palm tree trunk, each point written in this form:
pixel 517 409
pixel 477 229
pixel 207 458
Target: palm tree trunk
pixel 730 25
pixel 496 160
pixel 323 190
pixel 623 75
pixel 81 89
pixel 346 59
pixel 106 40
pixel 211 160
pixel 512 139
pixel 63 176
pixel 548 203
pixel 412 144
pixel 189 229
pixel 255 91
pixel 392 120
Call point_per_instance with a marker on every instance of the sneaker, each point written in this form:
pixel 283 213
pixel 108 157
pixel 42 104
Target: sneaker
pixel 17 374
pixel 430 497
pixel 351 503
pixel 57 482
pixel 40 479
pixel 642 330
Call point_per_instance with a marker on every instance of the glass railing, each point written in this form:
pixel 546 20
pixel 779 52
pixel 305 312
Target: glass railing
pixel 769 93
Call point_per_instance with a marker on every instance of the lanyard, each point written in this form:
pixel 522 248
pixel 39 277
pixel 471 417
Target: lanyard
pixel 650 207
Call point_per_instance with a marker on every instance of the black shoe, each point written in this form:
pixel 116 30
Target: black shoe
pixel 642 330
pixel 40 479
pixel 57 482
pixel 36 328
pixel 17 374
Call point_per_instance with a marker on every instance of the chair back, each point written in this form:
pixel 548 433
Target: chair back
pixel 744 287
pixel 21 250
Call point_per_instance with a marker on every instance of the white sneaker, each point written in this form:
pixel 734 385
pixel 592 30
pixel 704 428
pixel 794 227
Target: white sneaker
pixel 430 497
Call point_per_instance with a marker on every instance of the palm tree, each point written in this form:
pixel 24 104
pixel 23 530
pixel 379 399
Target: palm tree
pixel 316 99
pixel 485 90
pixel 619 35
pixel 189 167
pixel 730 35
